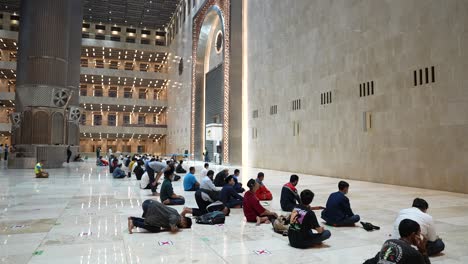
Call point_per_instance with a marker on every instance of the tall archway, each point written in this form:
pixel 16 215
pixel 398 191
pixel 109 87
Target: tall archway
pixel 204 35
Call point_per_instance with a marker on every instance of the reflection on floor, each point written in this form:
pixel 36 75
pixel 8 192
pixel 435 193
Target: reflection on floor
pixel 79 215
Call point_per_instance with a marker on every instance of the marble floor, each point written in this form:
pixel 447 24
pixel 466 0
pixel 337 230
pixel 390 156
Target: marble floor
pixel 79 215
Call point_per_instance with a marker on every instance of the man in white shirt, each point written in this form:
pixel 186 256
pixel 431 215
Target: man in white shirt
pixel 417 213
pixel 204 171
pixel 207 182
pixel 144 182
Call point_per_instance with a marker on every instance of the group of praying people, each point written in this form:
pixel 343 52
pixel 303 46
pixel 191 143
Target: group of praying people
pixel 413 240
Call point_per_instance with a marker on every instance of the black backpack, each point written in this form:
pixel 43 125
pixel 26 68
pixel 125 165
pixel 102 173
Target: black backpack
pixel 127 162
pixel 212 218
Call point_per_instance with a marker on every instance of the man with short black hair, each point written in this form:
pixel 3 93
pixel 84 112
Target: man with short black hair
pixel 263 194
pixel 229 196
pixel 338 209
pixel 220 178
pixel 418 213
pixel 153 167
pixel 190 182
pixel 400 251
pixel 289 196
pixel 204 171
pixel 302 221
pixel 237 185
pixel 156 216
pixel 168 197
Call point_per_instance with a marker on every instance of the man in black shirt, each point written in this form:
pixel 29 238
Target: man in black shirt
pixel 400 250
pixel 302 221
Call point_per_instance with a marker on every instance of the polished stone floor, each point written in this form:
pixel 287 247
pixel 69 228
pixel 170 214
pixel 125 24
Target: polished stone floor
pixel 79 215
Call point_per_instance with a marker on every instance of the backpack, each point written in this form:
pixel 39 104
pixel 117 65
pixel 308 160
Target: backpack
pixel 212 218
pixel 127 162
pixel 281 224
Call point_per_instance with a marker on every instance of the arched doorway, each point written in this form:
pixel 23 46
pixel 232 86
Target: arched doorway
pixel 215 123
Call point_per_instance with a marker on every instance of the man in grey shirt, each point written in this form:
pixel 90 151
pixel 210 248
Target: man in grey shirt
pixel 158 168
pixel 156 216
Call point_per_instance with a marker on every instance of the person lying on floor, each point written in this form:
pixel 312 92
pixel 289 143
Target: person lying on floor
pixel 302 222
pixel 158 217
pixel 253 210
pixel 263 194
pixel 168 197
pixel 338 209
pixel 229 196
pixel 401 251
pixel 418 213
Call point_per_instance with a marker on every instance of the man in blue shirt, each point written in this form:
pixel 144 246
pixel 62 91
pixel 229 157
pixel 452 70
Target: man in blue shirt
pixel 190 182
pixel 229 196
pixel 118 173
pixel 338 210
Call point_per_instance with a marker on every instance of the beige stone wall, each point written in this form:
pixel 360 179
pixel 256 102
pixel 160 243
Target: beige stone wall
pixel 299 49
pixel 179 89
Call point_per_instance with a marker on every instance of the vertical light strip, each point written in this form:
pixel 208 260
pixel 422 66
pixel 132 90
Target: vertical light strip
pixel 245 82
pixel 227 28
pixel 224 6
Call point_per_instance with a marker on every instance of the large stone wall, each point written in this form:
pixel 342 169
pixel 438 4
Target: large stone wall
pixel 179 95
pixel 299 49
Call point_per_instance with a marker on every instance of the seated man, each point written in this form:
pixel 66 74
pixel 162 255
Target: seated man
pixel 179 168
pixel 400 251
pixel 229 196
pixel 145 181
pixel 338 209
pixel 204 171
pixel 220 178
pixel 418 213
pixel 207 182
pixel 78 158
pixel 302 221
pixel 237 185
pixel 101 162
pixel 156 216
pixel 289 196
pixel 190 182
pixel 40 173
pixel 168 197
pixel 263 194
pixel 206 203
pixel 253 210
pixel 118 173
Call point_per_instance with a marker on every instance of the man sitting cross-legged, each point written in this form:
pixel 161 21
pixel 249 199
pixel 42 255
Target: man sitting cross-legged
pixel 418 213
pixel 229 196
pixel 303 221
pixel 263 194
pixel 253 210
pixel 289 196
pixel 338 209
pixel 190 182
pixel 401 251
pixel 168 197
pixel 156 216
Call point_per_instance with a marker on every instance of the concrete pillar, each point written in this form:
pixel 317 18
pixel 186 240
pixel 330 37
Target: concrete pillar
pixel 48 73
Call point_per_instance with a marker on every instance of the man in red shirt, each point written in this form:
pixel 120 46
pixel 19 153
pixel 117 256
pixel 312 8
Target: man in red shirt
pixel 253 210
